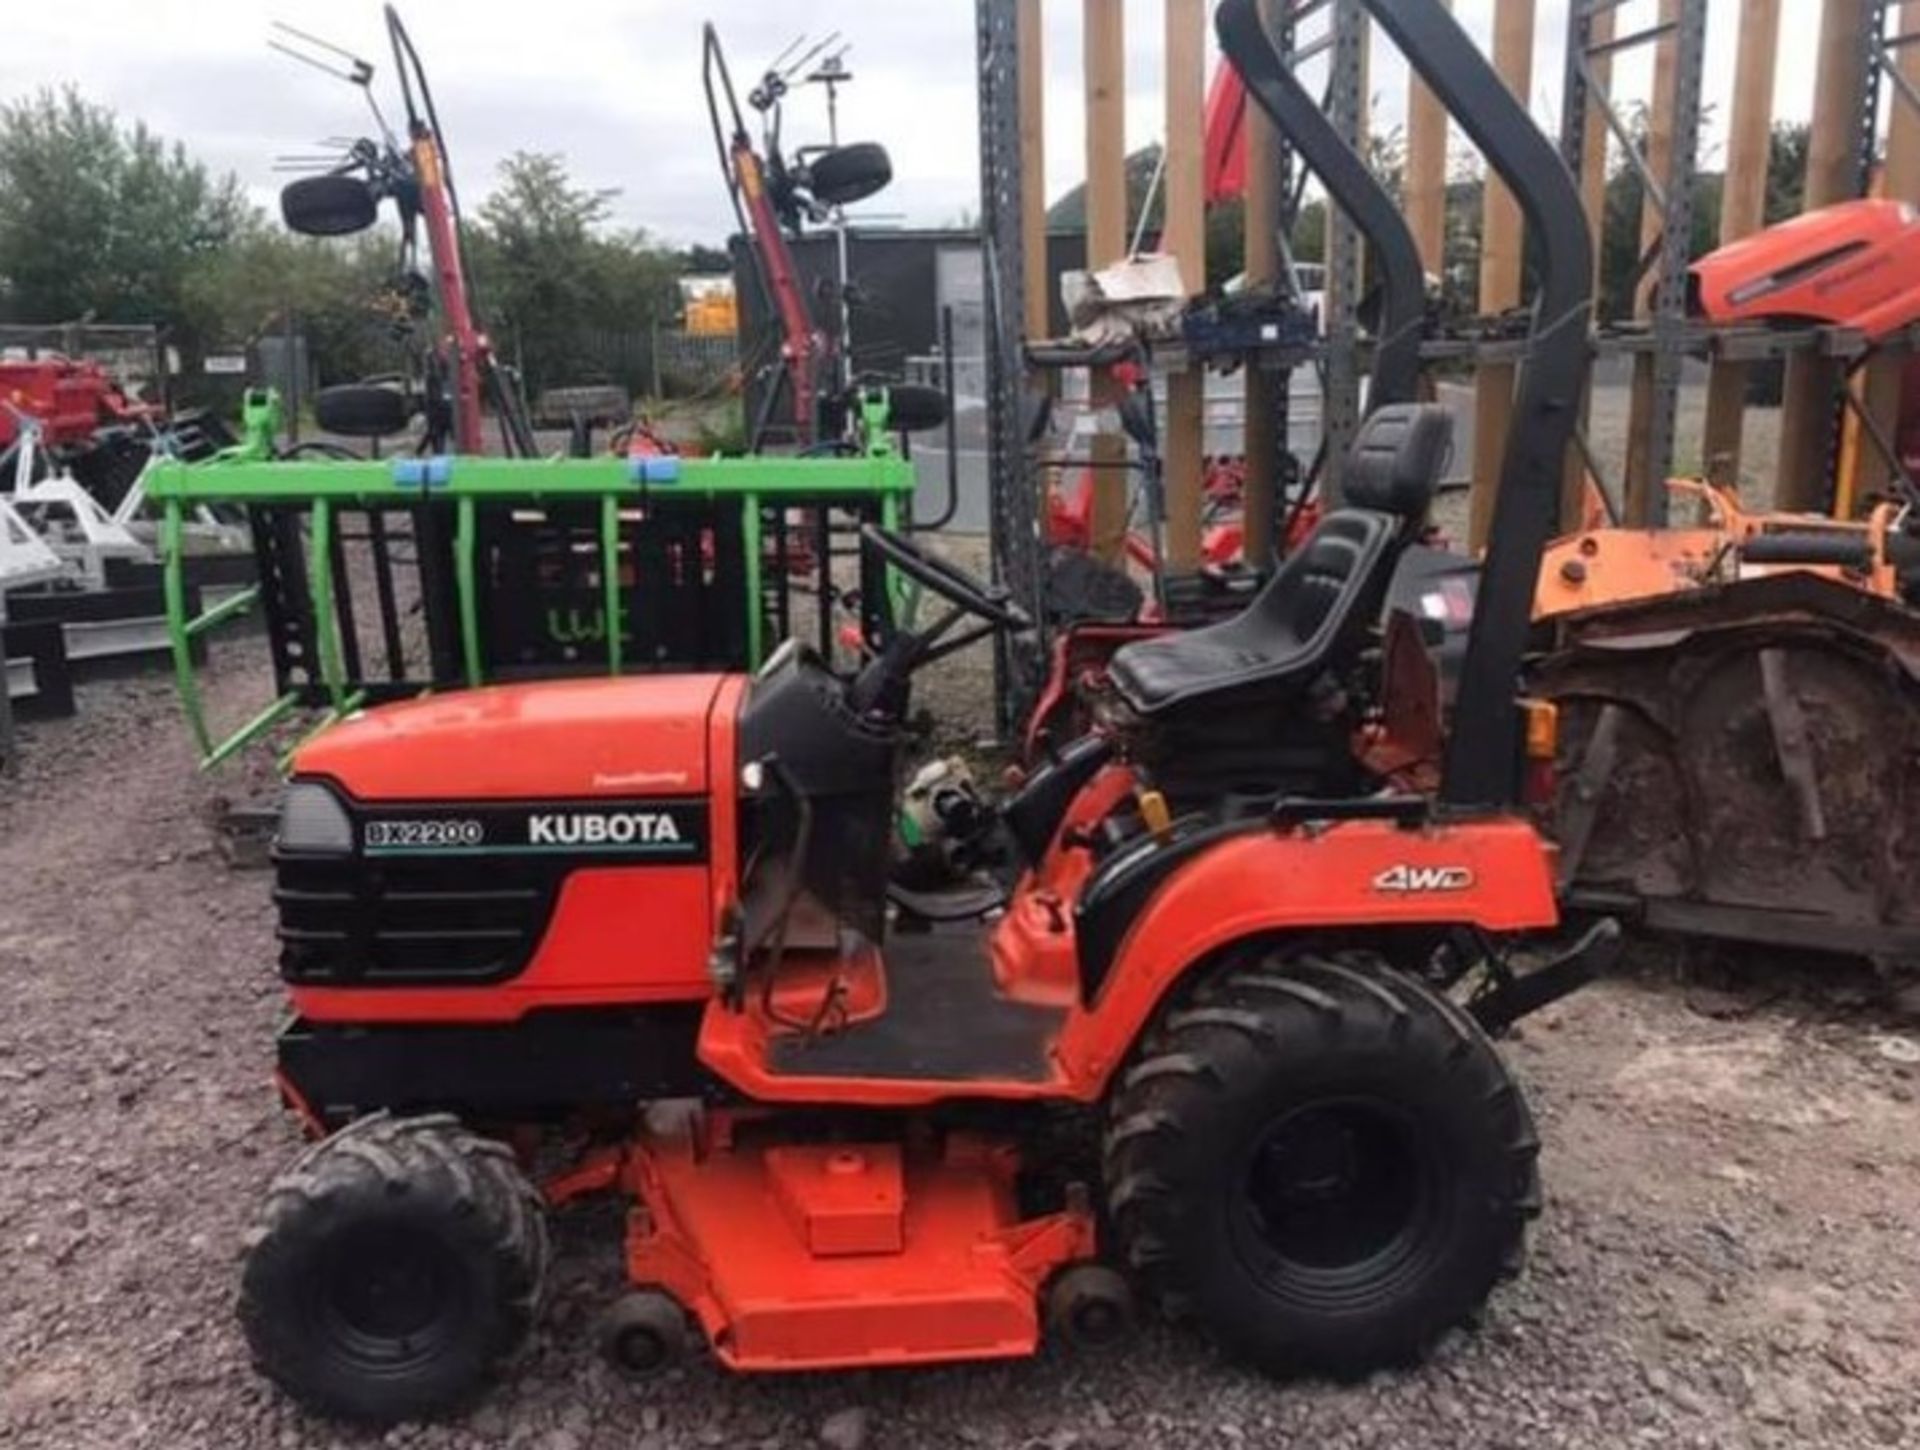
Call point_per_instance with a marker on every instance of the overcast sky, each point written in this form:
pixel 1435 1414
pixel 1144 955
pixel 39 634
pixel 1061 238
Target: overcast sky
pixel 615 84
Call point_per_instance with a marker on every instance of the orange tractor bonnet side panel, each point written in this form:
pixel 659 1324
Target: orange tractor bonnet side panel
pixel 620 933
pixel 557 740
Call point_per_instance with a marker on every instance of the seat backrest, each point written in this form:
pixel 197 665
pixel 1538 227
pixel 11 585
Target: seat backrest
pixel 1324 570
pixel 1336 582
pixel 1327 595
pixel 1396 459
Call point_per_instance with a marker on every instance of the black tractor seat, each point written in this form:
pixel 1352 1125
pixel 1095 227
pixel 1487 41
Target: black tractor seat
pixel 1325 596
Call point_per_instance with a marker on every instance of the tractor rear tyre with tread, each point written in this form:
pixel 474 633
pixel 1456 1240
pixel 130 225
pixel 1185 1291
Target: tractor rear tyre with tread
pixel 1322 1161
pixel 395 1265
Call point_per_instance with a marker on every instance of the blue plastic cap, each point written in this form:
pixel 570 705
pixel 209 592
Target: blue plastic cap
pixel 434 472
pixel 654 468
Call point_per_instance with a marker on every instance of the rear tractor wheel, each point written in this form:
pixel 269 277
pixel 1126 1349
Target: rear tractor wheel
pixel 394 1267
pixel 1322 1161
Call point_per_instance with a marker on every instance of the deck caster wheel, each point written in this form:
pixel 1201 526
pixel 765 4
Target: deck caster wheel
pixel 644 1334
pixel 1089 1306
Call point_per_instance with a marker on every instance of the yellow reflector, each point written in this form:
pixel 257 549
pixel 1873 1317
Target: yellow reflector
pixel 1543 728
pixel 1153 810
pixel 426 161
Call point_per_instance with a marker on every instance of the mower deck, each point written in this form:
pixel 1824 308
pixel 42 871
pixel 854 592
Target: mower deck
pixel 945 1021
pixel 829 1255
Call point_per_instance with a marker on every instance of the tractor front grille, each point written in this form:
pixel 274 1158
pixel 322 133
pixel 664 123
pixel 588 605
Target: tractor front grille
pixel 355 922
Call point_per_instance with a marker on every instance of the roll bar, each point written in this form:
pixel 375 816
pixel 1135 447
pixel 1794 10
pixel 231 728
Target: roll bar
pixel 1270 81
pixel 1483 760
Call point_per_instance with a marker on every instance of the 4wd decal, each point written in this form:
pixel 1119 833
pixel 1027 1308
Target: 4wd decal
pixel 672 830
pixel 1405 879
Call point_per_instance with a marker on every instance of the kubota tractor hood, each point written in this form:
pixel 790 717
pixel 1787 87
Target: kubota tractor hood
pixel 555 740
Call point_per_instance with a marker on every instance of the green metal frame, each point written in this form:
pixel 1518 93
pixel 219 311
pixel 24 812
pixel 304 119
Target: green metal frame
pixel 327 486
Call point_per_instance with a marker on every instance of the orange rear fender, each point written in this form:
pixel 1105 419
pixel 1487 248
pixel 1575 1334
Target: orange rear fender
pixel 1495 874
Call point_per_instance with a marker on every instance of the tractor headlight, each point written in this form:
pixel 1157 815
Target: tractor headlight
pixel 312 819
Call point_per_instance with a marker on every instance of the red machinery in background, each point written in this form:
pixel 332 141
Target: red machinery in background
pixel 73 398
pixel 466 344
pixel 1226 153
pixel 772 198
pixel 462 374
pixel 1855 264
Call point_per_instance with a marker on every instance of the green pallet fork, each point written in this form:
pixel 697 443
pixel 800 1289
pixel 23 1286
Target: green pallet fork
pixel 516 567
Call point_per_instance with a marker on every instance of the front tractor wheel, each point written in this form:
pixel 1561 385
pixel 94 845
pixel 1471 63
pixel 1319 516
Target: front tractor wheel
pixel 395 1265
pixel 1324 1162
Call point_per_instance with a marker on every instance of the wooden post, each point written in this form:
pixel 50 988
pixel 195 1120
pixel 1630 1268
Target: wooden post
pixel 1900 178
pixel 1426 198
pixel 1261 233
pixel 1593 201
pixel 1807 411
pixel 1743 206
pixel 1642 488
pixel 1501 260
pixel 1184 237
pixel 1104 53
pixel 1033 167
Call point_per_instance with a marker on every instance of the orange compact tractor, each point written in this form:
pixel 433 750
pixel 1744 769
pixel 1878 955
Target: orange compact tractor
pixel 636 937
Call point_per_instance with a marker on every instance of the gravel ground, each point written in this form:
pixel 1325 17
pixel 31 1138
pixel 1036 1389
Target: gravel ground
pixel 1729 1254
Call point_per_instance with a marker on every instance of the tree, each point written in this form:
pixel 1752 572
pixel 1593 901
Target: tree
pixel 108 221
pixel 564 296
pixel 1621 270
pixel 1226 221
pixel 1787 169
pixel 1620 246
pixel 1069 213
pixel 340 294
pixel 702 260
pixel 100 219
pixel 1225 239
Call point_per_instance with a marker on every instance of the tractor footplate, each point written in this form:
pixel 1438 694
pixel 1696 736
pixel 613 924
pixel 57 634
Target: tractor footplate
pixel 830 1255
pixel 945 1021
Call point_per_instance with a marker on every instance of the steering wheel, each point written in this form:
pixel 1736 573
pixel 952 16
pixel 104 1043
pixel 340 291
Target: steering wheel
pixel 989 602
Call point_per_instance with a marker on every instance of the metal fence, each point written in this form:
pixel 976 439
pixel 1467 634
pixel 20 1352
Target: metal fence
pixel 659 362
